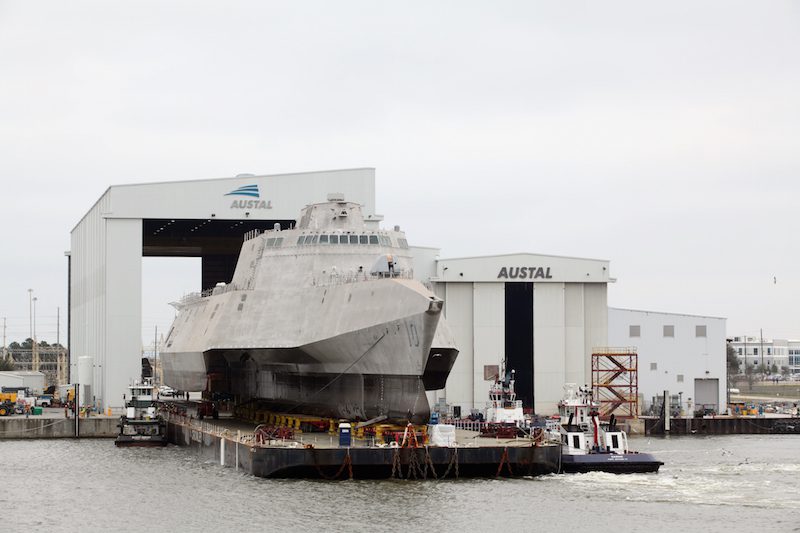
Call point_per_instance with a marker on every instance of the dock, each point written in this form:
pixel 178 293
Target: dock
pixel 233 444
pixel 723 425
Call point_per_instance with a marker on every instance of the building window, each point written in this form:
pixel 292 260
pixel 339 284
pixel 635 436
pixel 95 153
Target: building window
pixel 769 351
pixel 755 351
pixel 634 331
pixel 680 378
pixel 699 331
pixel 653 366
pixel 669 331
pixel 740 351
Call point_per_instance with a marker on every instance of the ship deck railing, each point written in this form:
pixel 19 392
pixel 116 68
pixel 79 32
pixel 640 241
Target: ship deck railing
pixel 329 280
pixel 344 278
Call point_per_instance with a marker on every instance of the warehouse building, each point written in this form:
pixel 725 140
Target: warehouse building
pixel 681 354
pixel 544 314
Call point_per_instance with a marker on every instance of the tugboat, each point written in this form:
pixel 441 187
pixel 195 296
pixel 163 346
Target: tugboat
pixel 589 446
pixel 141 425
pixel 505 417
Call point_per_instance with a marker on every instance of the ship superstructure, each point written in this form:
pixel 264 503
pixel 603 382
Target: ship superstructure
pixel 321 318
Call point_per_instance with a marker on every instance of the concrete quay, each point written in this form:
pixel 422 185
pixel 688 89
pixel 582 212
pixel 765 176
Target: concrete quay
pixel 53 425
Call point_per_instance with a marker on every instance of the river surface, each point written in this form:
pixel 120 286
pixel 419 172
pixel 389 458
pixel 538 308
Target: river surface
pixel 708 484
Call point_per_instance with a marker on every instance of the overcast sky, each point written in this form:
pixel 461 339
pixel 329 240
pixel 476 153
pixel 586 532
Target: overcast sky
pixel 662 136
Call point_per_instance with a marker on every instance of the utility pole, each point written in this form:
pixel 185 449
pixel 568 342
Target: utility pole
pixel 4 339
pixel 58 326
pixel 761 333
pixel 155 357
pixel 30 314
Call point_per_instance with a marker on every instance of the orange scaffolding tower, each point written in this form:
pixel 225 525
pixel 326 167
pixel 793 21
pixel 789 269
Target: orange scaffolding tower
pixel 615 381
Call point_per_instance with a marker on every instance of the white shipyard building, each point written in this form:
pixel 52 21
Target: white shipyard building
pixel 544 314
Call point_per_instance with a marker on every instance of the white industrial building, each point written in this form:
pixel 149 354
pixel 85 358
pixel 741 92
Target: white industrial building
pixel 544 314
pixel 775 354
pixel 682 354
pixel 33 380
pixel 199 218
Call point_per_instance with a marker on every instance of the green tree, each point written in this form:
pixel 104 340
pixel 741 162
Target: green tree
pixel 774 368
pixel 785 370
pixel 749 373
pixel 6 364
pixel 733 361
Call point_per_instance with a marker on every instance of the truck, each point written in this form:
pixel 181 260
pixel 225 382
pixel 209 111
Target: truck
pixel 45 400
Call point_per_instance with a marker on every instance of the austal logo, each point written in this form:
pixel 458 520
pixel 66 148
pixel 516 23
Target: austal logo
pixel 524 273
pixel 251 191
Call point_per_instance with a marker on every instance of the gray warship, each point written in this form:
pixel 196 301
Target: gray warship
pixel 324 318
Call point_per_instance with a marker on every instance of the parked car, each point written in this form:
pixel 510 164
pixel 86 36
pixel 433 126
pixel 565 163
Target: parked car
pixel 164 390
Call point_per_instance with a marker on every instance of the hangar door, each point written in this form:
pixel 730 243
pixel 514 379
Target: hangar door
pixel 706 393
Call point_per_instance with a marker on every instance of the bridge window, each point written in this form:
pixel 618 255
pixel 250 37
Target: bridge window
pixel 308 239
pixel 373 239
pixel 334 239
pixel 271 242
pixel 402 242
pixel 353 239
pixel 300 240
pixel 278 242
pixel 363 239
pixel 323 239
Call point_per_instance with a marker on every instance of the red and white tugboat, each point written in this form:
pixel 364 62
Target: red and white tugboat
pixel 589 446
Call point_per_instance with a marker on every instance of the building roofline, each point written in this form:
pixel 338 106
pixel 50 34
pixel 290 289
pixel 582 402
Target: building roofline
pixel 241 177
pixel 667 313
pixel 108 189
pixel 524 253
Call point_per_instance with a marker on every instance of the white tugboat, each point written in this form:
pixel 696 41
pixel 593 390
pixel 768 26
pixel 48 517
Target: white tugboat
pixel 587 445
pixel 141 425
pixel 504 414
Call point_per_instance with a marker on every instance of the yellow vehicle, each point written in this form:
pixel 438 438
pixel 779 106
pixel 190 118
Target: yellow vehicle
pixel 6 408
pixel 8 397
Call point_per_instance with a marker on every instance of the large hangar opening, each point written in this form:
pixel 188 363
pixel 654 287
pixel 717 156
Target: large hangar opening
pixel 215 241
pixel 519 338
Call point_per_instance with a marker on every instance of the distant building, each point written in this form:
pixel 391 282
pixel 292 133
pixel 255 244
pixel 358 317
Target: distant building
pixel 22 378
pixel 682 354
pixel 754 351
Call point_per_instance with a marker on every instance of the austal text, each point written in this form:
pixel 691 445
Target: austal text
pixel 524 273
pixel 251 204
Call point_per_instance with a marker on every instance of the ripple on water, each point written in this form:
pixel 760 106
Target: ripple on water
pixel 93 486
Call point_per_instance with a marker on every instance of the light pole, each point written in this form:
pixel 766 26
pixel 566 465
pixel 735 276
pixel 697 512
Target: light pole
pixel 35 347
pixel 30 314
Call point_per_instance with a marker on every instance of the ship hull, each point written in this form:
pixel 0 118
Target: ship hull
pixel 378 370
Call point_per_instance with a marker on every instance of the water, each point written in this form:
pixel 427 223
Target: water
pixel 709 484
